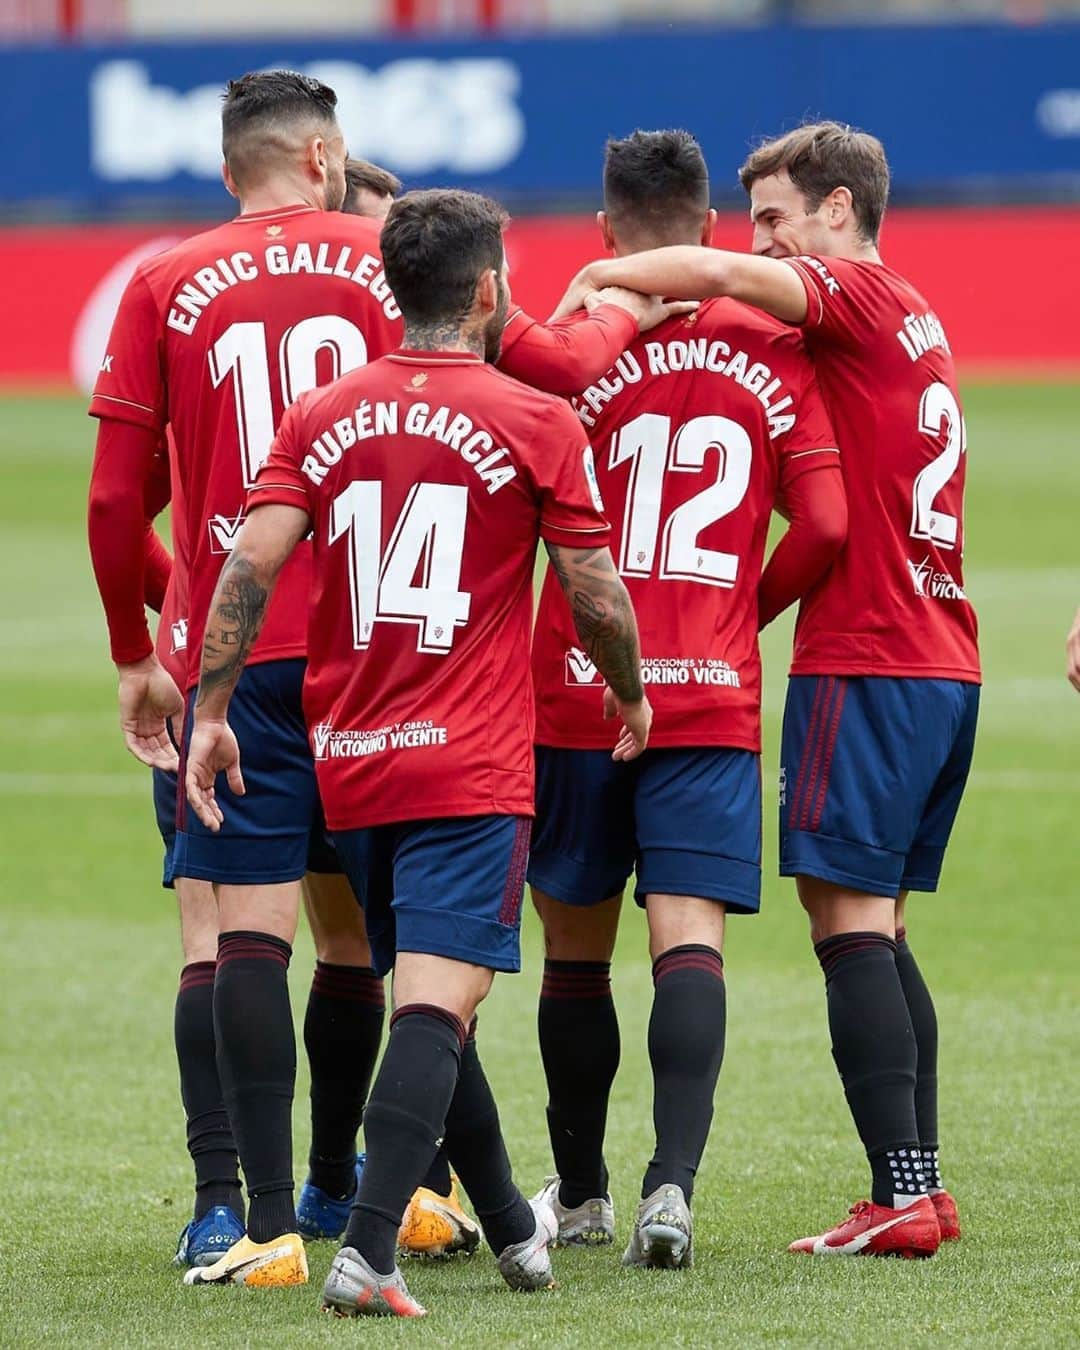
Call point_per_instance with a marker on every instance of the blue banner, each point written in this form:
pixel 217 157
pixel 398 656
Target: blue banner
pixel 965 110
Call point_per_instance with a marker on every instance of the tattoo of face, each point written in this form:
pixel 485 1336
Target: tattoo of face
pixel 603 616
pixel 232 625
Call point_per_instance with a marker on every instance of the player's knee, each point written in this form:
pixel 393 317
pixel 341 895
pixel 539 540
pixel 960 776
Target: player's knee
pixel 834 910
pixel 575 932
pixel 684 921
pixel 336 921
pixel 197 906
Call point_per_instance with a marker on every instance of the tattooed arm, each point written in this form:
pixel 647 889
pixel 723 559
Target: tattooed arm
pixel 269 535
pixel 607 630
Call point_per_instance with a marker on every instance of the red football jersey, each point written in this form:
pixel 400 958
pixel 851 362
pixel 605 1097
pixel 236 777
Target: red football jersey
pixel 694 429
pixel 171 644
pixel 216 338
pixel 429 478
pixel 894 602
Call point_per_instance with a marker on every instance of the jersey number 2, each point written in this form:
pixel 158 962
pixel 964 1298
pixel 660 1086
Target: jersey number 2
pixel 647 444
pixel 938 406
pixel 428 540
pixel 242 350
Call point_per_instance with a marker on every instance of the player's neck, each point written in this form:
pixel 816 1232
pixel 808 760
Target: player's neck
pixel 857 251
pixel 443 336
pixel 278 197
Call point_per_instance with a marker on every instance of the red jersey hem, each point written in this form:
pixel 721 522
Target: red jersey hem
pixel 673 741
pixel 869 670
pixel 431 811
pixel 290 652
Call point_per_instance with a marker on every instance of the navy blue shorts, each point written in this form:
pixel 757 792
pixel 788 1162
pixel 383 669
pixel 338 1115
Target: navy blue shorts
pixel 872 770
pixel 449 887
pixel 276 831
pixel 165 813
pixel 688 822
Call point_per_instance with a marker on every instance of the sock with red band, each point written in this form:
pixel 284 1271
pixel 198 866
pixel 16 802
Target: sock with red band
pixel 342 1032
pixel 873 1045
pixel 209 1134
pixel 475 1146
pixel 924 1024
pixel 256 1049
pixel 579 1044
pixel 686 1048
pixel 404 1122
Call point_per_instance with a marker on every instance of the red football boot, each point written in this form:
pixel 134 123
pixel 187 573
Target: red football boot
pixel 877 1230
pixel 947 1217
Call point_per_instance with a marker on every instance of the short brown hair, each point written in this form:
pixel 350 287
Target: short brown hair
pixel 360 174
pixel 821 156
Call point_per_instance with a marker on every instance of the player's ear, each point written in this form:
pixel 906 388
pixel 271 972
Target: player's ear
pixel 487 291
pixel 316 157
pixel 838 207
pixel 229 181
pixel 605 231
pixel 708 227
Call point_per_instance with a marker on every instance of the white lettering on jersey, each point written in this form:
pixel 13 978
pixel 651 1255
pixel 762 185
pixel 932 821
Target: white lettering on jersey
pixel 816 265
pixel 457 431
pixel 327 743
pixel 106 364
pixel 922 333
pixel 681 354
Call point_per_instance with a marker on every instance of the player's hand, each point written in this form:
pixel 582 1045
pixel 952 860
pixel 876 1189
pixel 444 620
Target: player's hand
pixel 575 296
pixel 1072 649
pixel 636 720
pixel 646 310
pixel 213 750
pixel 148 698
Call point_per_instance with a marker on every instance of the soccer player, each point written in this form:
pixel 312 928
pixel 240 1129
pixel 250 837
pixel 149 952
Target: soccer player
pixel 214 338
pixel 369 189
pixel 427 480
pixel 696 429
pixel 884 693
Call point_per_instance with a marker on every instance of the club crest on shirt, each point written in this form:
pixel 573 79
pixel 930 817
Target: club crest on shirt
pixel 419 380
pixel 274 231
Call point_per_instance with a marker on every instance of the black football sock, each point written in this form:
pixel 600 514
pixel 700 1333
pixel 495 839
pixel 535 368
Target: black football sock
pixel 686 1048
pixel 924 1024
pixel 873 1045
pixel 438 1175
pixel 256 1050
pixel 579 1044
pixel 342 1031
pixel 209 1135
pixel 404 1121
pixel 475 1146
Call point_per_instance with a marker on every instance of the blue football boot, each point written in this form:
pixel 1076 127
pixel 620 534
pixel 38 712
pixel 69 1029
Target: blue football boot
pixel 206 1240
pixel 319 1216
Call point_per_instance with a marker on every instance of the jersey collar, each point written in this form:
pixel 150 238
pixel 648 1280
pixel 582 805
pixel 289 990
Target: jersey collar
pixel 277 213
pixel 410 356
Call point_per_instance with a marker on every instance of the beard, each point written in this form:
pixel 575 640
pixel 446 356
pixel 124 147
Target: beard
pixel 493 329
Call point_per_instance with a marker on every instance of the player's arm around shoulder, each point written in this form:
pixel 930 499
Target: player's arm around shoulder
pixel 691 272
pixel 1072 648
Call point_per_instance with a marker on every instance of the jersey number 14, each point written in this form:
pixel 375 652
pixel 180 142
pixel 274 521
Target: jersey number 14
pixel 426 545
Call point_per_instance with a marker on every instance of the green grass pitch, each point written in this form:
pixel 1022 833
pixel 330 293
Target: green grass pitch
pixel 95 1178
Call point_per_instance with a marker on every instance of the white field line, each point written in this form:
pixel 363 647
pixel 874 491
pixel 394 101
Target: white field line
pixel 137 784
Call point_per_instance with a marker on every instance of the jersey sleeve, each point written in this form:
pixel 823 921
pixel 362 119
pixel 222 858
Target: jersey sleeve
pixel 568 355
pixel 281 480
pixel 130 386
pixel 811 441
pixel 564 475
pixel 839 299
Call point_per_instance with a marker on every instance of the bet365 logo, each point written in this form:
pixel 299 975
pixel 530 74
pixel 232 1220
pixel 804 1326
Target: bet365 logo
pixel 580 669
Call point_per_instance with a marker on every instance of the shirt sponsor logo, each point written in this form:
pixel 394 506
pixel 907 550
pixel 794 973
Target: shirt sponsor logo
pixel 580 669
pixel 816 265
pixel 931 585
pixel 328 743
pixel 178 632
pixel 223 531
